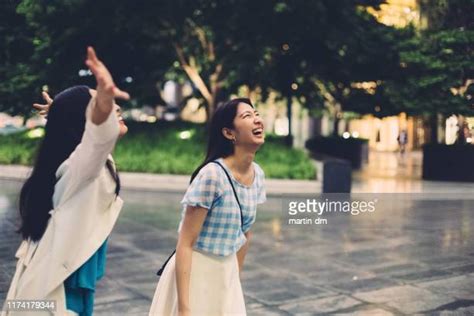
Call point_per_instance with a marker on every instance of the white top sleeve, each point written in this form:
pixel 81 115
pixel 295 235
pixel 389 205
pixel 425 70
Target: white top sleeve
pixel 89 158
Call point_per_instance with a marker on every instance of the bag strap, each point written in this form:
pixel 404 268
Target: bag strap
pixel 238 202
pixel 235 192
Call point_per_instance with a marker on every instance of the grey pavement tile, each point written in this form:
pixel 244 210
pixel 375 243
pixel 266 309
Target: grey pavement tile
pixel 416 253
pixel 423 275
pixel 135 307
pixel 403 268
pixel 114 248
pixel 461 287
pixel 108 296
pixel 295 264
pixel 334 274
pixel 126 226
pixel 320 305
pixel 448 261
pixel 465 269
pixel 153 241
pixel 366 258
pixel 363 285
pixel 251 303
pixel 459 307
pixel 407 299
pixel 368 310
pixel 110 290
pixel 468 311
pixel 253 272
pixel 275 289
pixel 267 311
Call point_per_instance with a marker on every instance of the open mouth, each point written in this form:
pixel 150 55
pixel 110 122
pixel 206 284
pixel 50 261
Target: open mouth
pixel 258 131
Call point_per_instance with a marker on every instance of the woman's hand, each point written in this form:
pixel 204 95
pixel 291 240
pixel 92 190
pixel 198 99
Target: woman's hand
pixel 184 313
pixel 107 91
pixel 44 108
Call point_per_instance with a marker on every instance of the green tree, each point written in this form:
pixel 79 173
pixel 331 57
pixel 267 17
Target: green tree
pixel 437 64
pixel 18 74
pixel 321 46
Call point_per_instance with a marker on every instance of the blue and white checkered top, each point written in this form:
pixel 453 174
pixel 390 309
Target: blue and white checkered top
pixel 221 233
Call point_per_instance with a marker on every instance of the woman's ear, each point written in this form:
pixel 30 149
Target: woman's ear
pixel 228 133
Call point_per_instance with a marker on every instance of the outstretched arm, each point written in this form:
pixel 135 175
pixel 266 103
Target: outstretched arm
pixel 101 130
pixel 107 91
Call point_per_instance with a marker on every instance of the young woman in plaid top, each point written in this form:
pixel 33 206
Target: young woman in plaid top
pixel 202 278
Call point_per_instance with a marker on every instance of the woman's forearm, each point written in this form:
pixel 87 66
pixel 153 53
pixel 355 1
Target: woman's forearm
pixel 243 251
pixel 183 272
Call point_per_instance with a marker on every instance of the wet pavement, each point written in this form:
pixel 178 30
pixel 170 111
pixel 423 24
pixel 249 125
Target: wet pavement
pixel 413 255
pixel 393 172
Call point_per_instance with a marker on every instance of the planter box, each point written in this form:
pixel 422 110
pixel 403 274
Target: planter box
pixel 448 162
pixel 356 150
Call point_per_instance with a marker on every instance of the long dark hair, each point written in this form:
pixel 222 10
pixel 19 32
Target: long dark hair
pixel 219 146
pixel 63 132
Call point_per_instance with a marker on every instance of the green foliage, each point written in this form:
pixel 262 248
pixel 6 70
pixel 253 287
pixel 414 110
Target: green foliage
pixel 158 148
pixel 436 67
pixel 19 76
pixel 17 149
pixel 226 44
pixel 323 46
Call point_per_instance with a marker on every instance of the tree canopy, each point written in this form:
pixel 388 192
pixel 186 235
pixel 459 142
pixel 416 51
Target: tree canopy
pixel 318 51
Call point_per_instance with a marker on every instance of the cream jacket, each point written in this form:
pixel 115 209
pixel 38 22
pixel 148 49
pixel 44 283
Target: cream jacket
pixel 85 211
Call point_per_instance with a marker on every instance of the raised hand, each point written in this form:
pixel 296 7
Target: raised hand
pixel 44 108
pixel 107 91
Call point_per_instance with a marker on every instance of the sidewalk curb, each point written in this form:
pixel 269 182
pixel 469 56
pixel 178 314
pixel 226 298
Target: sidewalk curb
pixel 175 183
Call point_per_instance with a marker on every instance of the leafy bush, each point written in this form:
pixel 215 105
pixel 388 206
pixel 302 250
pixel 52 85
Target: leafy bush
pixel 158 148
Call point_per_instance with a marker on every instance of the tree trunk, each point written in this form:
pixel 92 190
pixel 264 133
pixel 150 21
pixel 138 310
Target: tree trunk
pixel 335 131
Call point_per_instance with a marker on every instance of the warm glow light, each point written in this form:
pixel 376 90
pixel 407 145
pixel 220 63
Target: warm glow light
pixel 185 135
pixel 35 133
pixel 398 13
pixel 368 86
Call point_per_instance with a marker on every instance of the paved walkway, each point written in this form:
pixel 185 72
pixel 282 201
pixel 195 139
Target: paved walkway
pixel 391 172
pixel 411 256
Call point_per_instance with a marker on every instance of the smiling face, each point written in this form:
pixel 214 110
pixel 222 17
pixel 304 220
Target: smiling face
pixel 248 128
pixel 123 129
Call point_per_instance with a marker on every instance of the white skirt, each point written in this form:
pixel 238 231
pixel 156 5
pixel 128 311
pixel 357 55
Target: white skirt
pixel 214 288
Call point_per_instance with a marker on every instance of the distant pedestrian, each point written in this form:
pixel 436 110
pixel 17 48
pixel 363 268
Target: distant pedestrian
pixel 402 141
pixel 202 277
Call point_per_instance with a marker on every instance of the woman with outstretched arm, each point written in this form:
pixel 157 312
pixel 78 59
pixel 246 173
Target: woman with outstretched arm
pixel 70 202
